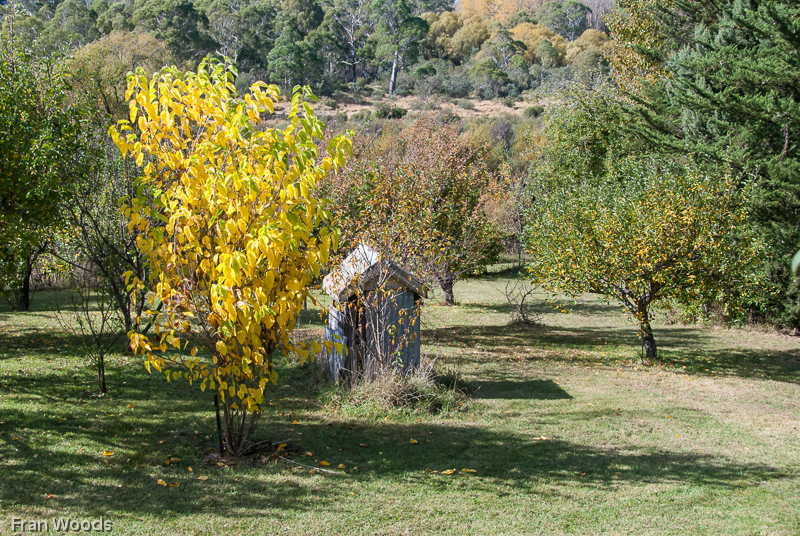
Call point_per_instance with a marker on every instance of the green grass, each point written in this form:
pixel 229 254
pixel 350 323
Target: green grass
pixel 705 442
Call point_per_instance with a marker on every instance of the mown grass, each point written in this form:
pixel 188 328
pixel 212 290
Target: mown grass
pixel 566 431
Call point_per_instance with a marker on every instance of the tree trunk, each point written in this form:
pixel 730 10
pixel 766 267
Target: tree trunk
pixel 646 333
pixel 101 374
pixel 393 78
pixel 219 425
pixel 24 301
pixel 446 282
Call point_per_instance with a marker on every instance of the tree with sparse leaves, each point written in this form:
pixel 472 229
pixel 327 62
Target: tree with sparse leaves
pixel 609 219
pixel 419 197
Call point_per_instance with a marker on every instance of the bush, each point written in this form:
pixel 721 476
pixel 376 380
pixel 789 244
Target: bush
pixel 420 392
pixel 329 102
pixel 465 103
pixel 457 85
pixel 404 85
pixel 384 110
pixel 361 116
pixel 533 111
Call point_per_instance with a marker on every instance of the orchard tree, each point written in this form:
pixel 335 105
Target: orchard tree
pixel 236 233
pixel 41 151
pixel 731 97
pixel 650 231
pixel 606 217
pixel 419 197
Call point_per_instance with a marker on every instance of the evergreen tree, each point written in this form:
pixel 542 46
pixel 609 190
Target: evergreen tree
pixel 732 98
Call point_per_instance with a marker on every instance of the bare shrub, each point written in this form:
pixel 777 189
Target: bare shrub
pixel 519 293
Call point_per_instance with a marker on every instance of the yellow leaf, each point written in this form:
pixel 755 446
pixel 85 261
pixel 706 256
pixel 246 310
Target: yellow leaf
pixel 295 422
pixel 108 453
pixel 449 472
pixel 174 485
pixel 323 462
pixel 204 477
pixel 130 405
pixel 414 441
pixel 468 471
pixel 341 466
pixel 161 482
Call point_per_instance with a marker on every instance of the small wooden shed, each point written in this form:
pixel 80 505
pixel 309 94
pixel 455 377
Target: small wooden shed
pixel 375 314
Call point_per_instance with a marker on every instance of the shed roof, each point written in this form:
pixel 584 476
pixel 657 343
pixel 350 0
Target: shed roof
pixel 362 270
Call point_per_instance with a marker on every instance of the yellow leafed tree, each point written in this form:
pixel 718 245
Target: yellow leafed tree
pixel 233 228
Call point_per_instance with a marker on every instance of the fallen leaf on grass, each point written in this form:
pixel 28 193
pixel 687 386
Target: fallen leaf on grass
pixel 323 462
pixel 295 422
pixel 174 485
pixel 161 482
pixel 414 441
pixel 449 472
pixel 363 445
pixel 309 453
pixel 204 477
pixel 108 453
pixel 541 438
pixel 341 466
pixel 469 471
pixel 130 405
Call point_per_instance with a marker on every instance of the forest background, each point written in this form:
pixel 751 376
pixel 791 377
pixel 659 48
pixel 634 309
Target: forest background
pixel 635 93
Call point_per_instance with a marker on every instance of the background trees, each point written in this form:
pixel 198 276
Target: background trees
pixel 42 142
pixel 609 218
pixel 717 85
pixel 418 196
pixel 341 45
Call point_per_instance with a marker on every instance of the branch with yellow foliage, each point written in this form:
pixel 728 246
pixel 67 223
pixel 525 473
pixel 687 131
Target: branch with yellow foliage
pixel 236 233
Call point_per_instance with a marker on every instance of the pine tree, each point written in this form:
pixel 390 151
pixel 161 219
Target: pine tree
pixel 731 97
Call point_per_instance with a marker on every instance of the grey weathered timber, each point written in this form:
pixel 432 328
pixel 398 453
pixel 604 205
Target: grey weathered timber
pixel 376 312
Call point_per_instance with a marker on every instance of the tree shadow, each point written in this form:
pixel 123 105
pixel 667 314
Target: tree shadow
pixel 541 307
pixel 126 483
pixel 510 388
pixel 682 347
pixel 31 340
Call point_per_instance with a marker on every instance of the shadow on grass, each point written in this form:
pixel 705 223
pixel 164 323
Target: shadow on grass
pixel 541 307
pixel 517 389
pixel 50 343
pixel 88 482
pixel 51 451
pixel 678 346
pixel 43 301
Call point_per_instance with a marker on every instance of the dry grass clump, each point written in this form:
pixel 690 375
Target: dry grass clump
pixel 422 390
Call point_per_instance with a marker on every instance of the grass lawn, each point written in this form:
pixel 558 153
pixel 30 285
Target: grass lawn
pixel 565 432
